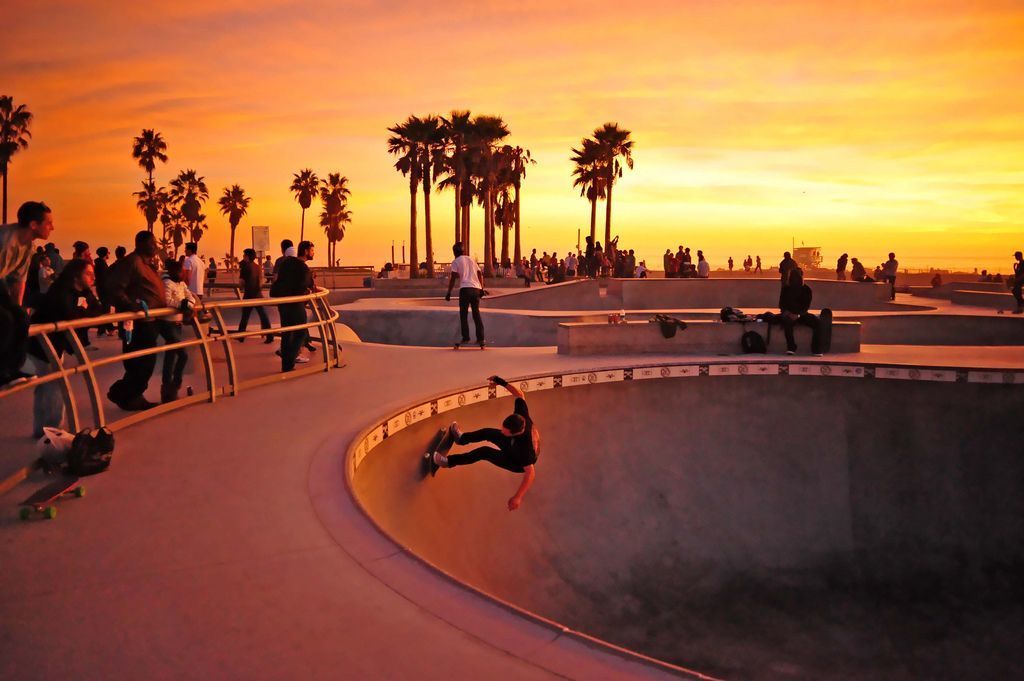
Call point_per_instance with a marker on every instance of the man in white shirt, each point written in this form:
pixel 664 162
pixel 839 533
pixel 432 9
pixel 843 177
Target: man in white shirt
pixel 192 270
pixel 467 273
pixel 889 269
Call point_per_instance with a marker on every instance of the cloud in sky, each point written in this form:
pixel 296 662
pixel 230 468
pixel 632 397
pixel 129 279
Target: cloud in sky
pixel 857 126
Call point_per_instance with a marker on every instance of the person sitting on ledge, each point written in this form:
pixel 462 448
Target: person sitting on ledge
pixel 517 443
pixel 795 303
pixel 857 271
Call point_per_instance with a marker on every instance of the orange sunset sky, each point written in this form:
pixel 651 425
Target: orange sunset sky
pixel 857 126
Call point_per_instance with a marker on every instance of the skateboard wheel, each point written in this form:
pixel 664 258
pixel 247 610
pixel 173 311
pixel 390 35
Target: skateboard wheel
pixel 25 513
pixel 79 492
pixel 50 512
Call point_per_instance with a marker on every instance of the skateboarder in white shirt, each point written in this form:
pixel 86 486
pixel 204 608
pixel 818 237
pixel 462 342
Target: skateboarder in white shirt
pixel 466 272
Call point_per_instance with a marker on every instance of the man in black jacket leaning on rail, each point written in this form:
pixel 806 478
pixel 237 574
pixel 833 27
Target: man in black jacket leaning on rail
pixel 293 279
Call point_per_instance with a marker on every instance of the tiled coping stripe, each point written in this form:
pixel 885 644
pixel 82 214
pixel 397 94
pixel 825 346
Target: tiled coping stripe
pixel 372 437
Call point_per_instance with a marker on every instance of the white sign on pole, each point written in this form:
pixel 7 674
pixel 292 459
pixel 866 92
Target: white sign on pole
pixel 261 240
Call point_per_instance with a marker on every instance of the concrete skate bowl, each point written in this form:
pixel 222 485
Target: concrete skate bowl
pixel 745 521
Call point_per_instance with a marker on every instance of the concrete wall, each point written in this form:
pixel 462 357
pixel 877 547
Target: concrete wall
pixel 997 301
pixel 941 329
pixel 655 498
pixel 756 294
pixel 699 338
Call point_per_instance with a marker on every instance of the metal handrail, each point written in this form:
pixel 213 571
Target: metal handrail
pixel 324 317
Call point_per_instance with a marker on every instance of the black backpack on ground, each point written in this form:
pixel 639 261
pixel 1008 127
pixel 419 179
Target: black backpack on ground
pixel 669 325
pixel 90 452
pixel 753 342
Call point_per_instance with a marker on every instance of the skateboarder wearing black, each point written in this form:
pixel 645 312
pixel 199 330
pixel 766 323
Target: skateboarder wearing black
pixel 517 443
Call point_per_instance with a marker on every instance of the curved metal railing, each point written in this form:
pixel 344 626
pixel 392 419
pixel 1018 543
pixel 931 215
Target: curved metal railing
pixel 208 333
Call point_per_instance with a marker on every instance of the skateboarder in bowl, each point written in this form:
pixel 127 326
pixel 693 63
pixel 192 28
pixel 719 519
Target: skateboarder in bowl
pixel 516 444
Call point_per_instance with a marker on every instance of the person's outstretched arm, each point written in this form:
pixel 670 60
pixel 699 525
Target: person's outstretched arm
pixel 498 380
pixel 528 476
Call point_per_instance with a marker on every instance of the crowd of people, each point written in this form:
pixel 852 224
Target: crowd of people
pixel 38 285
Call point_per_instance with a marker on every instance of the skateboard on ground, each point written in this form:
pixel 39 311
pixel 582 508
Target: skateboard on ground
pixel 459 344
pixel 441 443
pixel 40 501
pixel 825 330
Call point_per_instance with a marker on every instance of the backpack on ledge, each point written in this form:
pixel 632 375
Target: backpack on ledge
pixel 90 452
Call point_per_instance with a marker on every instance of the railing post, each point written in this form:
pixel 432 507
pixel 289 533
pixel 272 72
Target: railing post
pixel 57 363
pixel 229 353
pixel 99 417
pixel 204 349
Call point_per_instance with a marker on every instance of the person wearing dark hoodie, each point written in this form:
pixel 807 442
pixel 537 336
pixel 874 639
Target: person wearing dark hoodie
pixel 794 304
pixel 70 297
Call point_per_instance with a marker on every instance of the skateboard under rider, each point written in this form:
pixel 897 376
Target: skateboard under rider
pixel 441 443
pixel 825 330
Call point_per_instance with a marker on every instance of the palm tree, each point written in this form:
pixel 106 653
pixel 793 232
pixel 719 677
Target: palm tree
pixel 147 149
pixel 486 132
pixel 334 228
pixel 305 186
pixel 334 193
pixel 614 142
pixel 432 144
pixel 520 159
pixel 590 177
pixel 150 200
pixel 456 129
pixel 235 204
pixel 187 194
pixel 14 135
pixel 174 226
pixel 405 144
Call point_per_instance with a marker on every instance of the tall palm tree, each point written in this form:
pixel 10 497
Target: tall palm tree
pixel 614 142
pixel 405 144
pixel 188 193
pixel 174 226
pixel 14 136
pixel 150 201
pixel 589 177
pixel 334 194
pixel 235 204
pixel 147 149
pixel 334 228
pixel 485 161
pixel 305 185
pixel 432 145
pixel 456 129
pixel 520 159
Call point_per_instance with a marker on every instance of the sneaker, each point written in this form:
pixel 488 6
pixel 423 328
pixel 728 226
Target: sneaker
pixel 268 340
pixel 440 460
pixel 818 354
pixel 790 352
pixel 138 403
pixel 310 347
pixel 277 352
pixel 455 431
pixel 302 359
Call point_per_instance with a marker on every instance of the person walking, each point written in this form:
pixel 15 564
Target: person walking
pixel 293 278
pixel 516 445
pixel 35 221
pixel 466 272
pixel 180 297
pixel 1018 281
pixel 889 269
pixel 133 285
pixel 251 280
pixel 730 263
pixel 192 270
pixel 757 267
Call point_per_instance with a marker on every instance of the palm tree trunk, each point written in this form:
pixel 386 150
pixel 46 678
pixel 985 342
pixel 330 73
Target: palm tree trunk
pixel 593 218
pixel 149 223
pixel 506 227
pixel 517 251
pixel 466 224
pixel 302 226
pixel 5 197
pixel 232 251
pixel 427 237
pixel 608 217
pixel 458 214
pixel 414 264
pixel 488 235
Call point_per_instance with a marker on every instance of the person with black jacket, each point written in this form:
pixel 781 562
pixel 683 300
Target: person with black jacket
pixel 70 297
pixel 250 275
pixel 134 285
pixel 517 444
pixel 794 304
pixel 293 279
